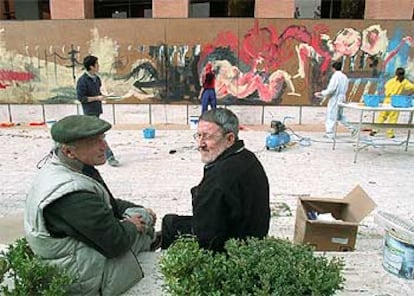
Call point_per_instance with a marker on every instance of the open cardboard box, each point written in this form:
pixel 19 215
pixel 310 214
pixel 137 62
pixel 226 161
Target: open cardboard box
pixel 336 235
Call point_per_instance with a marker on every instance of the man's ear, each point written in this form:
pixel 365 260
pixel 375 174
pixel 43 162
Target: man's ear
pixel 231 138
pixel 68 151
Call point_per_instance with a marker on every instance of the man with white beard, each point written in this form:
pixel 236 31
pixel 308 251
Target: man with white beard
pixel 232 199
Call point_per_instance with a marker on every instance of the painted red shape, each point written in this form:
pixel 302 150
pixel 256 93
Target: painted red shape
pixel 9 75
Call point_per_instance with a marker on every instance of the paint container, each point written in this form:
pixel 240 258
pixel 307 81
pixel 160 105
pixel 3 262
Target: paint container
pixel 193 122
pixel 398 256
pixel 149 133
pixel 401 101
pixel 373 100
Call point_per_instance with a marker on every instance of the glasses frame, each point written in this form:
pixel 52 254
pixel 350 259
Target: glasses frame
pixel 207 137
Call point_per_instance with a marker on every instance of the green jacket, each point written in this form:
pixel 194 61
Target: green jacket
pixel 92 272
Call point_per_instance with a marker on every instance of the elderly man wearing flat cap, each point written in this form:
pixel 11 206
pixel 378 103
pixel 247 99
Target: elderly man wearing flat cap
pixel 73 221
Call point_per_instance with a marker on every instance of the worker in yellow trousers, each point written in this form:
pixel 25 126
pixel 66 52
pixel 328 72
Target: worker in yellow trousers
pixel 395 86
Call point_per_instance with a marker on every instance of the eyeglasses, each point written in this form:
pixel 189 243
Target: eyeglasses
pixel 205 137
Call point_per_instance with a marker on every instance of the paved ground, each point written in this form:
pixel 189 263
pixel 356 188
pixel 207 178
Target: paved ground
pixel 159 173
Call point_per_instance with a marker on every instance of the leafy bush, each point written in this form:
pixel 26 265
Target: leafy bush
pixel 29 274
pixel 253 267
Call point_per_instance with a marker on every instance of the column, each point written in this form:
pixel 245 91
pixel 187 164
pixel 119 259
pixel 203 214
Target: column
pixel 71 9
pixel 389 9
pixel 274 9
pixel 170 8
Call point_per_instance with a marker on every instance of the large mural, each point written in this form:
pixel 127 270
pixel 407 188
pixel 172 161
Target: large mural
pixel 257 61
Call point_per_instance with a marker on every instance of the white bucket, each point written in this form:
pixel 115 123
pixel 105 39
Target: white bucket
pixel 193 122
pixel 398 256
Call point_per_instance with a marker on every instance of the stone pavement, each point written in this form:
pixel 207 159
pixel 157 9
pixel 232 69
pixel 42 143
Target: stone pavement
pixel 159 173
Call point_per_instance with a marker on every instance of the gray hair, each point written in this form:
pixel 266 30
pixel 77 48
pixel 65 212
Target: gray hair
pixel 224 118
pixel 59 146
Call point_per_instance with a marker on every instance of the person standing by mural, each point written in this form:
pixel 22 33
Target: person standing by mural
pixel 208 92
pixel 395 86
pixel 232 199
pixel 317 12
pixel 336 93
pixel 89 93
pixel 297 13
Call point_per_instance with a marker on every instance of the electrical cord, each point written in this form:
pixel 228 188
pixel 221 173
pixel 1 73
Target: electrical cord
pixel 303 141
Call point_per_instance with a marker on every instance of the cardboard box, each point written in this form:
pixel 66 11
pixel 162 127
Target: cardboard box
pixel 336 235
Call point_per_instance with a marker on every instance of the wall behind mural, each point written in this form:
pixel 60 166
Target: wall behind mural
pixel 257 61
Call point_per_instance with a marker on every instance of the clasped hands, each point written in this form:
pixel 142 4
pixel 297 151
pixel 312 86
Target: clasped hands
pixel 139 221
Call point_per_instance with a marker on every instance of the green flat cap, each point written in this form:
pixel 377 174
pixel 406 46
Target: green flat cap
pixel 75 127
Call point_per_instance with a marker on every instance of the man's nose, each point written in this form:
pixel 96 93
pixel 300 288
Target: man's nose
pixel 202 145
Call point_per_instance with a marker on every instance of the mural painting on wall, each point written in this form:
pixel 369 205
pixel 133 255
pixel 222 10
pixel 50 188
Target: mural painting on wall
pixel 262 67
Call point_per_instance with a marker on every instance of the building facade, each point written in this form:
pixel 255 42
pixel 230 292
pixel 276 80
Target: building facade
pixel 89 9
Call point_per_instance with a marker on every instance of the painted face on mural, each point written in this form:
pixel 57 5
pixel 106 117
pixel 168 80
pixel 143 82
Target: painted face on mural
pixel 211 141
pixel 347 42
pixel 374 40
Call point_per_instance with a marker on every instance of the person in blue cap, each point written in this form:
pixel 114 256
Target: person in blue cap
pixel 73 221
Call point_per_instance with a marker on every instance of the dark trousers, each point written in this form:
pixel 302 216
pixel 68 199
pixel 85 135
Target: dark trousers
pixel 173 226
pixel 208 97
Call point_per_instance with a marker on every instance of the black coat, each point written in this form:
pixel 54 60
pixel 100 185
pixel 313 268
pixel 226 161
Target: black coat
pixel 232 200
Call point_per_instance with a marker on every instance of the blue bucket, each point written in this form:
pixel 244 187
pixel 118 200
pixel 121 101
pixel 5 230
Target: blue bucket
pixel 149 133
pixel 401 101
pixel 50 123
pixel 372 100
pixel 193 121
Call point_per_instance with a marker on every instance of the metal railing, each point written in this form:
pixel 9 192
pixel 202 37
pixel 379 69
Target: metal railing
pixel 12 112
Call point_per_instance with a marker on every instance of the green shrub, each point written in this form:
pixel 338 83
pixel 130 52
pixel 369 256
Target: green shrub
pixel 29 275
pixel 253 267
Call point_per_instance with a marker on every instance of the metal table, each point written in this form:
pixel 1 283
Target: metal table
pixel 358 107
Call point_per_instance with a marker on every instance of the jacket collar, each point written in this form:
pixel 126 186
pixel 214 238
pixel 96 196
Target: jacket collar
pixel 77 166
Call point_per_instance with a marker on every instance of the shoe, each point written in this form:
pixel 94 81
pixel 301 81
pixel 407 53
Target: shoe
pixel 112 161
pixel 156 244
pixel 372 133
pixel 328 136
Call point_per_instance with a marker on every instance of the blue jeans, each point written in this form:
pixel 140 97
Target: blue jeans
pixel 208 97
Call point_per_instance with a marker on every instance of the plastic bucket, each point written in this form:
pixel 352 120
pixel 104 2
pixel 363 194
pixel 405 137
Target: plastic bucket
pixel 401 101
pixel 193 122
pixel 372 100
pixel 149 133
pixel 398 256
